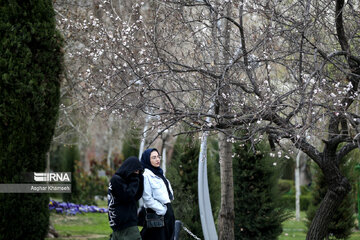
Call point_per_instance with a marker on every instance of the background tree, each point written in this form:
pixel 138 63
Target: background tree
pixel 30 68
pixel 258 213
pixel 71 156
pixel 131 142
pixel 343 220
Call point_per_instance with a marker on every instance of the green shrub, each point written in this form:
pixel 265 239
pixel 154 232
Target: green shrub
pixel 288 202
pixel 258 211
pixel 131 142
pixel 285 186
pixel 288 198
pixel 30 68
pixel 71 156
pixel 91 184
pixel 287 168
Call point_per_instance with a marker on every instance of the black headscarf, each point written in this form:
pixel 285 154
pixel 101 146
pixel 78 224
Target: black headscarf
pixel 145 161
pixel 128 167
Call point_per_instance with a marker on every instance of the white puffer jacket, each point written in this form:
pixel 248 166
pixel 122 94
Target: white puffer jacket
pixel 155 194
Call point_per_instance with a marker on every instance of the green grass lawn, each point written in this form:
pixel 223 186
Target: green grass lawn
pixel 95 226
pixel 295 230
pixel 82 226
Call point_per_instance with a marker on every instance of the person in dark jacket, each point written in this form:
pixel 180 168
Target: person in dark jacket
pixel 125 189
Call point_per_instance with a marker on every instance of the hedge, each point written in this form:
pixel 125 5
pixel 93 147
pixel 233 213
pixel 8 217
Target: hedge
pixel 288 201
pixel 30 68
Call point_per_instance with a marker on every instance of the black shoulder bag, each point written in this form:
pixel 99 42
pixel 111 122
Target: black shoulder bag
pixel 153 220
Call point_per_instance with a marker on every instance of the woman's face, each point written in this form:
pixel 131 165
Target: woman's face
pixel 155 159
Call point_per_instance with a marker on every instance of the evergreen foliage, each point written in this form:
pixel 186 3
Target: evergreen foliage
pixel 343 221
pixel 30 68
pixel 131 142
pixel 288 195
pixel 56 158
pixel 183 175
pixel 71 155
pixel 213 171
pixel 258 214
pixel 288 169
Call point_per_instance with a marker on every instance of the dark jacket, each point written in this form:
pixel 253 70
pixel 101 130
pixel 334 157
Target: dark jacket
pixel 125 189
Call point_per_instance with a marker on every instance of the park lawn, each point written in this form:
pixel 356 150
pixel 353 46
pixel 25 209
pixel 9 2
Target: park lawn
pixel 82 226
pixel 95 226
pixel 294 230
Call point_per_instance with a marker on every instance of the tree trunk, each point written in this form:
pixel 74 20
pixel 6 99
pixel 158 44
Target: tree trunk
pixel 297 186
pixel 305 175
pixel 48 161
pixel 338 188
pixel 226 214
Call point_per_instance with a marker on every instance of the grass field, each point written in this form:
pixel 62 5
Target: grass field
pixel 82 226
pixel 295 230
pixel 95 226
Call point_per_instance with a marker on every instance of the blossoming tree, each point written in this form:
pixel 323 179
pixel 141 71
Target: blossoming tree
pixel 256 69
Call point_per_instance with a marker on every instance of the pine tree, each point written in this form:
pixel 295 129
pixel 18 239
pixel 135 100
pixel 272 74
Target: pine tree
pixel 131 142
pixel 343 221
pixel 71 156
pixel 257 212
pixel 183 175
pixel 30 66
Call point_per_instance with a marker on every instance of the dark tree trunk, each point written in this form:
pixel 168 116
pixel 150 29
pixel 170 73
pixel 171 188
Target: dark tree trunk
pixel 226 214
pixel 338 188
